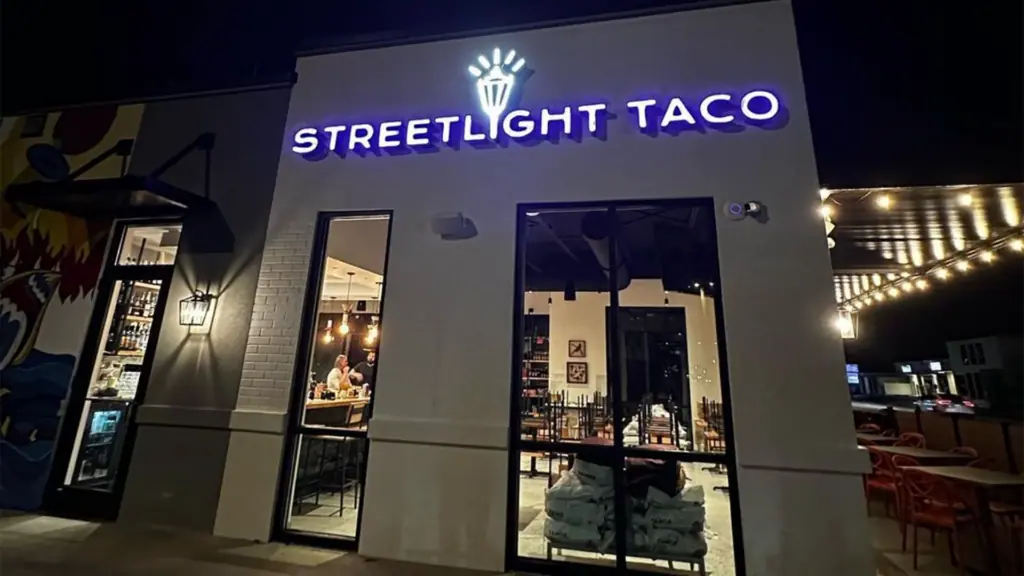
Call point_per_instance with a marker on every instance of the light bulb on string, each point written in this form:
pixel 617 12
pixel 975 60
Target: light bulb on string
pixel 1017 245
pixel 921 284
pixel 942 273
pixel 987 256
pixel 963 266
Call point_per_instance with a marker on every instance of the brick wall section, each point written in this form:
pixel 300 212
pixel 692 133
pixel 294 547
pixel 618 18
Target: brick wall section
pixel 274 332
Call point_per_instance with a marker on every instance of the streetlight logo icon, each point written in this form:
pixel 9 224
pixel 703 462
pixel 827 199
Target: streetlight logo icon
pixel 495 78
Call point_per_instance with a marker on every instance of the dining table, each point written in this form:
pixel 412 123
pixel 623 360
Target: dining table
pixel 925 456
pixel 983 482
pixel 875 439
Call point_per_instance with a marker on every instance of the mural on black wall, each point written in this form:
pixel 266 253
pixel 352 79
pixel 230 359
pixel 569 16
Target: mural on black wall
pixel 50 264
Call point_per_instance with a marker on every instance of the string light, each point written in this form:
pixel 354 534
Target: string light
pixel 879 296
pixel 1017 245
pixel 942 273
pixel 963 266
pixel 921 284
pixel 907 287
pixel 894 292
pixel 987 256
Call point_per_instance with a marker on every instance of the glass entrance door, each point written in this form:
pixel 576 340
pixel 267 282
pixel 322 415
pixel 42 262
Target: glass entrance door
pixel 621 455
pixel 97 431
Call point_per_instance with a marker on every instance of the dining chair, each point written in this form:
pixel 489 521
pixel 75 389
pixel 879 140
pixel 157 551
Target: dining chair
pixel 899 462
pixel 911 440
pixel 881 480
pixel 965 450
pixel 936 505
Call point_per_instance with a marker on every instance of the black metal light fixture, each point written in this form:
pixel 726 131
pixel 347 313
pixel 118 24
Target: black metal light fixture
pixel 192 311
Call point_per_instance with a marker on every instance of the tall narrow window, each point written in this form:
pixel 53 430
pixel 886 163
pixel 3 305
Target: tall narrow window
pixel 335 391
pixel 116 377
pixel 623 435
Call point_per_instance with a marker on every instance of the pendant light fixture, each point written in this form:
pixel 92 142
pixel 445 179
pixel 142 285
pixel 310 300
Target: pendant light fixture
pixel 343 327
pixel 328 337
pixel 374 330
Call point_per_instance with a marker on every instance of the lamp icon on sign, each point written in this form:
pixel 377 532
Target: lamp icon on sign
pixel 495 78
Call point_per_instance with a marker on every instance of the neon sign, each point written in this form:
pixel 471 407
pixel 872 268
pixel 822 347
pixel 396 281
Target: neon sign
pixel 497 83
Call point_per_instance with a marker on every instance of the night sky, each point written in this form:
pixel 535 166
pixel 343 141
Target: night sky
pixel 913 92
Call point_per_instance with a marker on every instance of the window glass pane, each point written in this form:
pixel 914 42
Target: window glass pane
pixel 686 530
pixel 116 372
pixel 667 328
pixel 343 362
pixel 149 245
pixel 326 486
pixel 566 506
pixel 564 394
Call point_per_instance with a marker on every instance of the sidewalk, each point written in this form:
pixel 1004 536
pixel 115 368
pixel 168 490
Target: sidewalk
pixel 41 546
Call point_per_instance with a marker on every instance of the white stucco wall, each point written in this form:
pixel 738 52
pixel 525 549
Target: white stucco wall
pixel 437 481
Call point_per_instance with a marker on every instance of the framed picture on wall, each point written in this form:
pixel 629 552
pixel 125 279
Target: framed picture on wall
pixel 576 372
pixel 577 348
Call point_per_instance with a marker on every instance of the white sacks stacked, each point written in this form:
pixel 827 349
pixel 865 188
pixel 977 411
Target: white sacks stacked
pixel 579 507
pixel 675 524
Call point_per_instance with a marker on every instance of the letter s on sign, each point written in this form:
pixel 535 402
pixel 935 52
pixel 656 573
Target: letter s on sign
pixel 305 141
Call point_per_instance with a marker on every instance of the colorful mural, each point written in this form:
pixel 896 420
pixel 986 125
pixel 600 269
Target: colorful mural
pixel 50 264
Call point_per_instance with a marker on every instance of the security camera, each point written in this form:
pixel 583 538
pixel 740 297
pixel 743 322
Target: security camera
pixel 740 210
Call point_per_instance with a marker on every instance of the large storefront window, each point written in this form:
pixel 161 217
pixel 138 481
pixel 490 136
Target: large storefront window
pixel 334 398
pixel 622 422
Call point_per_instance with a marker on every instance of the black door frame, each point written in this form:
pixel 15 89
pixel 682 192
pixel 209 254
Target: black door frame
pixel 295 429
pixel 618 452
pixel 71 501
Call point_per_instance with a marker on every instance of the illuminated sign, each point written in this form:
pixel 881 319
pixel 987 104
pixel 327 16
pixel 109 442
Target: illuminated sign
pixel 497 82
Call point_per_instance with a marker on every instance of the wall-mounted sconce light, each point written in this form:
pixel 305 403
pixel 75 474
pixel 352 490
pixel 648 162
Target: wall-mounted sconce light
pixel 192 311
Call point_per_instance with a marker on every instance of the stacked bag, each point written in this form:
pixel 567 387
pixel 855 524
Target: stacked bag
pixel 580 515
pixel 674 525
pixel 579 507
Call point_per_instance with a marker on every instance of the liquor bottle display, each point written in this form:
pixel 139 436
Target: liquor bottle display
pixel 132 318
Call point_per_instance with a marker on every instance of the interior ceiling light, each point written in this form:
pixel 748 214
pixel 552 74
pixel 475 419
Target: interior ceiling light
pixel 825 210
pixel 883 201
pixel 965 199
pixel 343 328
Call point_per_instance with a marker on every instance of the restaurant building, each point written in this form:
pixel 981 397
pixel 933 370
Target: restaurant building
pixel 589 258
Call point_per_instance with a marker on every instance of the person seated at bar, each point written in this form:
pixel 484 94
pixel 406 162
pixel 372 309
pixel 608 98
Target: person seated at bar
pixel 338 377
pixel 365 371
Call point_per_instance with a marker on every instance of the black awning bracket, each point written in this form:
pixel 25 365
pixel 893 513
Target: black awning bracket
pixel 126 196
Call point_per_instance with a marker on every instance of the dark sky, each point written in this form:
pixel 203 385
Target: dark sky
pixel 911 92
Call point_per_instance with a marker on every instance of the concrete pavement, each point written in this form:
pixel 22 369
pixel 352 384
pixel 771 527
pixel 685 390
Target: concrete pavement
pixel 42 546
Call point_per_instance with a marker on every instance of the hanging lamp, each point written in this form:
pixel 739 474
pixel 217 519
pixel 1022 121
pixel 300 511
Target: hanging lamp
pixel 343 327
